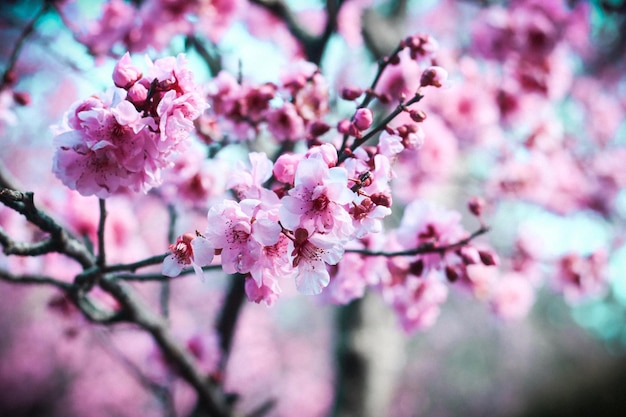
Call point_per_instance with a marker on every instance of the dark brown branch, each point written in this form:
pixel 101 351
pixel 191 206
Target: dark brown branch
pixel 229 314
pixel 34 279
pixel 423 249
pixel 161 277
pixel 153 260
pixel 11 247
pixel 63 242
pixel 209 395
pixel 381 33
pixel 313 46
pixel 211 58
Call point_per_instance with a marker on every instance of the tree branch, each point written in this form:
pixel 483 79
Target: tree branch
pixel 209 395
pixel 229 314
pixel 422 249
pixel 62 241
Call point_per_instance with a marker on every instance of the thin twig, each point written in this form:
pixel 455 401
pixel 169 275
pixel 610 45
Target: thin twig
pixel 153 260
pixel 34 279
pixel 360 141
pixel 422 249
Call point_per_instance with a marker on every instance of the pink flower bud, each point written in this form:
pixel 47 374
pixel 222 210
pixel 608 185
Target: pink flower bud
pixel 433 76
pixel 343 126
pixel 351 93
pixel 469 255
pixel 137 94
pixel 285 167
pixel 417 115
pixel 476 205
pixel 363 119
pixel 125 74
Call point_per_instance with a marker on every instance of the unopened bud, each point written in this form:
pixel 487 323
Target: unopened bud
pixel 22 98
pixel 344 126
pixel 433 76
pixel 488 258
pixel 137 94
pixel 363 118
pixel 381 199
pixel 469 255
pixel 417 268
pixel 476 205
pixel 318 128
pixel 451 274
pixel 125 74
pixel 417 115
pixel 351 93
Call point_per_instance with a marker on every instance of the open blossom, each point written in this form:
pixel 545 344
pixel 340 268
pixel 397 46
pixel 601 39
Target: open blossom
pixel 426 223
pixel 310 254
pixel 316 201
pixel 417 300
pixel 121 142
pixel 240 230
pixel 512 296
pixel 582 277
pixel 189 250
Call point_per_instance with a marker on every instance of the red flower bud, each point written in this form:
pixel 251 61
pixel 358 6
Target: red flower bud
pixel 433 76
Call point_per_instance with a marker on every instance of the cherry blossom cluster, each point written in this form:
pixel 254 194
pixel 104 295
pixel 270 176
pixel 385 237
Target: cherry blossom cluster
pixel 312 216
pixel 290 111
pixel 121 141
pixel 153 24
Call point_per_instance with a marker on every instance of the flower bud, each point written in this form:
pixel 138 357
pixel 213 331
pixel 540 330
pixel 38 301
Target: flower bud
pixel 476 205
pixel 381 199
pixel 417 115
pixel 488 258
pixel 22 98
pixel 363 119
pixel 125 74
pixel 433 76
pixel 343 126
pixel 351 93
pixel 137 94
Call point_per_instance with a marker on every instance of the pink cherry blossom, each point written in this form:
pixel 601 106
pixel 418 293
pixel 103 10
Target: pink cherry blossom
pixel 310 255
pixel 317 200
pixel 189 250
pixel 240 230
pixel 512 296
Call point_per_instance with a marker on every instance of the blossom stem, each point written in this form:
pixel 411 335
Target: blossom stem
pixel 370 95
pixel 399 109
